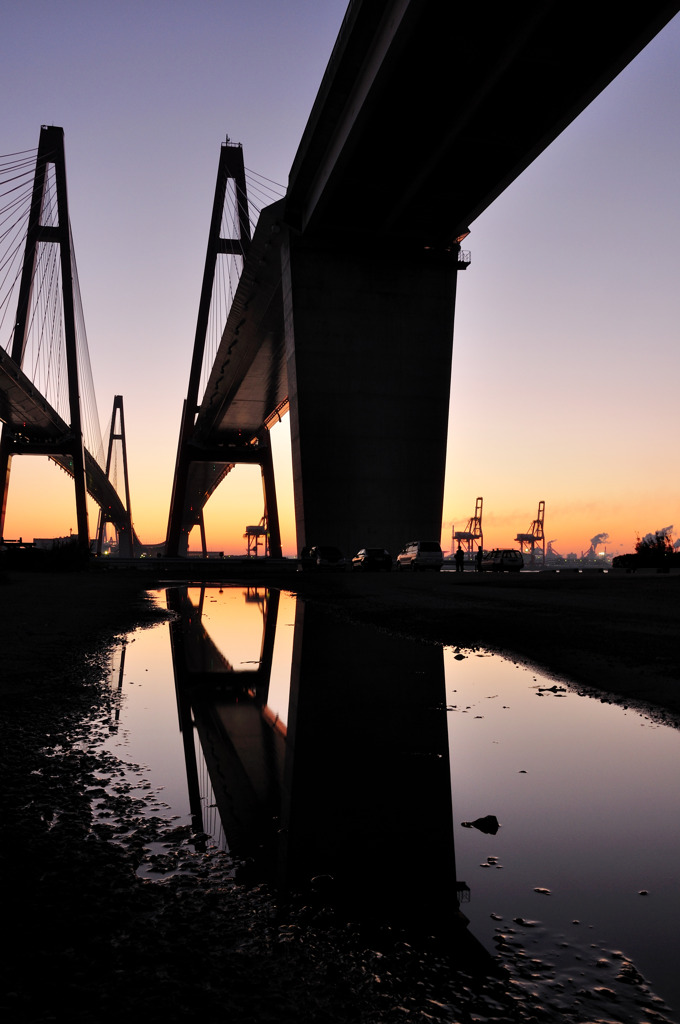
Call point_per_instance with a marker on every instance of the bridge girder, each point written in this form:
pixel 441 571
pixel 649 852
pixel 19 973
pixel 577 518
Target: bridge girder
pixel 429 110
pixel 32 427
pixel 426 113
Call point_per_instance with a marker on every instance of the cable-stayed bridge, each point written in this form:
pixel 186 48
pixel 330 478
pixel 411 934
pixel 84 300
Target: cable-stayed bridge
pixel 47 397
pixel 344 310
pixel 241 377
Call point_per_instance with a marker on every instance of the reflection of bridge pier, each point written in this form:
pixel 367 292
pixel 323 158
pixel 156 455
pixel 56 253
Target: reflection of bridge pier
pixel 353 785
pixel 367 783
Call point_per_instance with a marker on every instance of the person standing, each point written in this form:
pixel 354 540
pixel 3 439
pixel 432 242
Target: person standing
pixel 460 559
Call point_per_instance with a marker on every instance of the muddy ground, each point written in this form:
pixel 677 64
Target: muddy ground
pixel 89 940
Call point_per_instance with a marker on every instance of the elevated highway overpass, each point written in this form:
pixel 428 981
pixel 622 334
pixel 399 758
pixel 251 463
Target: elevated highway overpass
pixel 345 308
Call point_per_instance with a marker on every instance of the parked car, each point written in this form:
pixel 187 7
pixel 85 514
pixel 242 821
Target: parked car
pixel 502 560
pixel 420 554
pixel 322 556
pixel 372 560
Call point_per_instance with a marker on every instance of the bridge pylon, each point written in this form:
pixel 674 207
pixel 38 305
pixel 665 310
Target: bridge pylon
pixel 124 530
pixel 50 151
pixel 186 509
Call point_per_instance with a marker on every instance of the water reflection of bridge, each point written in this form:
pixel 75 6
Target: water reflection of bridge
pixel 227 707
pixel 353 786
pixel 198 659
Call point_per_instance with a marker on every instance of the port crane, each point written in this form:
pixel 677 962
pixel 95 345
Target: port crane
pixel 472 534
pixel 534 537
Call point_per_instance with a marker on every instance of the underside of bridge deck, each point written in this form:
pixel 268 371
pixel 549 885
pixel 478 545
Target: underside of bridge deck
pixel 429 110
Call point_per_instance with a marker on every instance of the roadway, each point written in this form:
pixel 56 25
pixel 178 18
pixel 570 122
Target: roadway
pixel 37 429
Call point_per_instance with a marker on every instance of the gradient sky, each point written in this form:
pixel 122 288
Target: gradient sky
pixel 566 359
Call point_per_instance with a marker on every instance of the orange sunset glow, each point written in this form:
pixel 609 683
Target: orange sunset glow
pixel 565 357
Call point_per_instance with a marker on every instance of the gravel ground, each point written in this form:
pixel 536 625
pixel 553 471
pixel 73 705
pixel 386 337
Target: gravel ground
pixel 91 941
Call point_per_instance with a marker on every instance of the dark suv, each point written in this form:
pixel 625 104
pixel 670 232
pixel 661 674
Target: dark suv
pixel 502 560
pixel 322 556
pixel 372 560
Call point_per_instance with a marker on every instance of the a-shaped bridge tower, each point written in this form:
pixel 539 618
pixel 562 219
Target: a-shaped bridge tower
pixel 53 410
pixel 205 458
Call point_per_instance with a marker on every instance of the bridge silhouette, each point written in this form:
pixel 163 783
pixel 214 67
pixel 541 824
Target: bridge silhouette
pixel 350 785
pixel 344 308
pixel 227 706
pixel 49 322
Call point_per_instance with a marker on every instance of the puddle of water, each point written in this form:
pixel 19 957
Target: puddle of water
pixel 347 749
pixel 147 733
pixel 587 797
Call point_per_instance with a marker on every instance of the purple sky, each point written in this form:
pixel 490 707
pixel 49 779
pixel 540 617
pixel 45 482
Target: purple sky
pixel 566 356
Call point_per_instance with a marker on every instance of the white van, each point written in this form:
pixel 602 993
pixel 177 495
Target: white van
pixel 421 554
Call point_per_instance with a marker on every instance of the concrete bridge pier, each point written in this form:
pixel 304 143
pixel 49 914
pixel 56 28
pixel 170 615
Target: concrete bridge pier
pixel 369 334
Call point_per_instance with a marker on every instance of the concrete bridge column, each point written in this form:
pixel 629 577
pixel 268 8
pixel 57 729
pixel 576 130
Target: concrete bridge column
pixel 271 508
pixel 5 469
pixel 369 334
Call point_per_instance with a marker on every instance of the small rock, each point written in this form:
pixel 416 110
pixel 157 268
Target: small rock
pixel 488 824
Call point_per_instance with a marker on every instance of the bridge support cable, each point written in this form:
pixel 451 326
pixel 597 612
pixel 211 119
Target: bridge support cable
pixel 186 507
pixel 124 531
pixel 50 157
